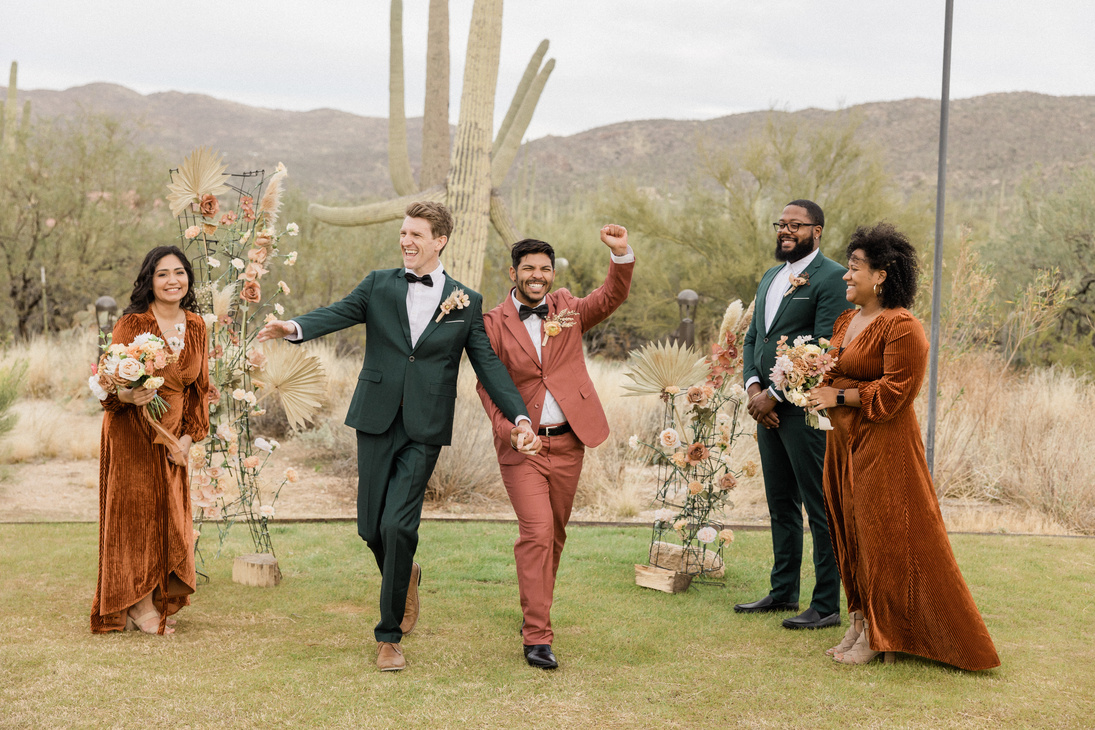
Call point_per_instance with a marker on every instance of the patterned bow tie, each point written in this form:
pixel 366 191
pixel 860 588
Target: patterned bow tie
pixel 526 312
pixel 426 280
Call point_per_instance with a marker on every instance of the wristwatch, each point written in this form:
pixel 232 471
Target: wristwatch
pixel 840 397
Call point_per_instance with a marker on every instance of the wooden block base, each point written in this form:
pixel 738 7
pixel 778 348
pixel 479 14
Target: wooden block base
pixel 660 579
pixel 257 569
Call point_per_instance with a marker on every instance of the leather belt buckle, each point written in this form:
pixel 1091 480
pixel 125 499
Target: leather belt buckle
pixel 554 429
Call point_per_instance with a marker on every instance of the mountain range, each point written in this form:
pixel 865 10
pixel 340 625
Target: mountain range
pixel 995 141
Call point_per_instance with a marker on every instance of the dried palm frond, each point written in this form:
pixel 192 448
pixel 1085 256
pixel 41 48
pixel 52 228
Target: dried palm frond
pixel 730 319
pixel 659 366
pixel 271 199
pixel 297 377
pixel 222 299
pixel 201 173
pixel 746 318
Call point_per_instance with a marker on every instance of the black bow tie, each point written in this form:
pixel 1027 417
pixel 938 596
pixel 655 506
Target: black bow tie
pixel 411 278
pixel 526 312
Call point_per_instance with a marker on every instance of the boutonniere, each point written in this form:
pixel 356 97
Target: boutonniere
pixel 457 300
pixel 558 322
pixel 802 279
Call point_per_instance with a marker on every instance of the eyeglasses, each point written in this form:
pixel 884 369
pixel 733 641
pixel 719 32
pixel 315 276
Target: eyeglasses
pixel 792 226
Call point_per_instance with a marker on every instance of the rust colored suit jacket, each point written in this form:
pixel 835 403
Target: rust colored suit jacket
pixel 563 370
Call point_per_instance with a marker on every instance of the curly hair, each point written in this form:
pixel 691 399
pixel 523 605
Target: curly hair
pixel 888 249
pixel 143 295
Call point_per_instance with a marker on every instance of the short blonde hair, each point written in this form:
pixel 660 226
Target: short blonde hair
pixel 436 214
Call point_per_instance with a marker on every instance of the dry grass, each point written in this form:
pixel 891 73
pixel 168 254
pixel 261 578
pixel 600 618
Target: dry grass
pixel 1020 439
pixel 1011 447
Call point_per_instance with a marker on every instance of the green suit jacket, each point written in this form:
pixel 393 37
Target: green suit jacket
pixel 809 310
pixel 422 377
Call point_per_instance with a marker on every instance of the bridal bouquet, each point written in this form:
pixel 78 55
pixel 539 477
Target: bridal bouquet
pixel 801 367
pixel 135 366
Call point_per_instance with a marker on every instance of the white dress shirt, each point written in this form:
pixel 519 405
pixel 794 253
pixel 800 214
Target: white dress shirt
pixel 774 297
pixel 552 415
pixel 422 301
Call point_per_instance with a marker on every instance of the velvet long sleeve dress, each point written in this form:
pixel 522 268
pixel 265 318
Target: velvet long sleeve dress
pixel 892 548
pixel 146 538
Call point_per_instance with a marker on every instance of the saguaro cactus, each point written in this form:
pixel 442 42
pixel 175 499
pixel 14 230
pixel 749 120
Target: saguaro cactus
pixel 8 113
pixel 467 179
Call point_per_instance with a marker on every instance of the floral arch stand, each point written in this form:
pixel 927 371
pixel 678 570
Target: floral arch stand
pixel 703 418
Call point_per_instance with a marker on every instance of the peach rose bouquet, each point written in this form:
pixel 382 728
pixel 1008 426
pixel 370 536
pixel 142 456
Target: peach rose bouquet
pixel 135 366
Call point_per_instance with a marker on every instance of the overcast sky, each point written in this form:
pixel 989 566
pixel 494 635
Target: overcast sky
pixel 616 60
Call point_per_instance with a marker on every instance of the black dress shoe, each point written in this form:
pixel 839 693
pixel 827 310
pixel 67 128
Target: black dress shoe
pixel 540 656
pixel 765 605
pixel 811 619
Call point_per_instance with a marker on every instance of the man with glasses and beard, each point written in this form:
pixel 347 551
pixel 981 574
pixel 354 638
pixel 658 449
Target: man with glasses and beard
pixel 801 296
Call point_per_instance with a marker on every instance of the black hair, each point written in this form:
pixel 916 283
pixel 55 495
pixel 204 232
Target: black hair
pixel 888 249
pixel 528 246
pixel 817 215
pixel 143 296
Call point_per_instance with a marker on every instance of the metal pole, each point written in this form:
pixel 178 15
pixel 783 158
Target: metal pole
pixel 937 264
pixel 45 305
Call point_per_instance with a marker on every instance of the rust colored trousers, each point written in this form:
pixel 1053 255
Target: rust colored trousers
pixel 541 489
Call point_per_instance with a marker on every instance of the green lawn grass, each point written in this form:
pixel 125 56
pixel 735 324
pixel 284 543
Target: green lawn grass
pixel 302 654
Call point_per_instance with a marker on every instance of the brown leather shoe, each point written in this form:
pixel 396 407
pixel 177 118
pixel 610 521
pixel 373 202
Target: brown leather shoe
pixel 410 610
pixel 389 657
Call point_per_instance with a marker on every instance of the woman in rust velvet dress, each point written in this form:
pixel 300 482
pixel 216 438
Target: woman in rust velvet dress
pixel 905 591
pixel 146 544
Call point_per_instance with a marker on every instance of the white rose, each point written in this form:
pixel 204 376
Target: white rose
pixel 798 398
pixel 707 535
pixel 153 383
pixel 130 369
pixel 238 263
pixel 213 263
pixel 263 445
pixel 110 365
pixel 141 339
pixel 96 389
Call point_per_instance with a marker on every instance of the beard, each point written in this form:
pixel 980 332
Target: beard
pixel 535 299
pixel 801 249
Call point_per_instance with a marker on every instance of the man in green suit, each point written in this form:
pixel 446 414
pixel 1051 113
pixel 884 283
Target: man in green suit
pixel 801 296
pixel 418 322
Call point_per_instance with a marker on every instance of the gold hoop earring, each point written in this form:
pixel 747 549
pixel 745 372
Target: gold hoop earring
pixel 876 289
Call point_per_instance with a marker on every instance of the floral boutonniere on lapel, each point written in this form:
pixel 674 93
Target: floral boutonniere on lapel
pixel 457 300
pixel 802 279
pixel 558 322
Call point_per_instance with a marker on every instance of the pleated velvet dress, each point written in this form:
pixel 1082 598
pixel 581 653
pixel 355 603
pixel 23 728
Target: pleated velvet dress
pixel 145 533
pixel 891 546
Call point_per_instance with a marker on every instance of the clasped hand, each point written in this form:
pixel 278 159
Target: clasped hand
pixel 761 407
pixel 522 438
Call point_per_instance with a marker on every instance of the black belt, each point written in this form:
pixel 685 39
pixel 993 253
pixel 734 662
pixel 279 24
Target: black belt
pixel 554 430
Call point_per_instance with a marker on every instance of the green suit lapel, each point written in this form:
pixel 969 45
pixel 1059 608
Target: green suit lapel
pixel 809 271
pixel 400 286
pixel 450 285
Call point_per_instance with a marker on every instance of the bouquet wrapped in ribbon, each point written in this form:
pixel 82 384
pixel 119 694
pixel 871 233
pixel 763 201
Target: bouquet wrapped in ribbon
pixel 135 366
pixel 801 367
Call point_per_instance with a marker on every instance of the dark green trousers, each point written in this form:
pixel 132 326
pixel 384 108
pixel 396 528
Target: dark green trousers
pixel 392 473
pixel 791 457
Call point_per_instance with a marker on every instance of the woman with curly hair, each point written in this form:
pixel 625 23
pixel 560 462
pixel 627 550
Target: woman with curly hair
pixel 905 591
pixel 146 544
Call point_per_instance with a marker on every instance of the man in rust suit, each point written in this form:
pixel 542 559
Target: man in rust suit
pixel 538 337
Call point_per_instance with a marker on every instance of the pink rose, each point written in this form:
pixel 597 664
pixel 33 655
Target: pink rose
pixel 209 206
pixel 258 255
pixel 251 292
pixel 251 462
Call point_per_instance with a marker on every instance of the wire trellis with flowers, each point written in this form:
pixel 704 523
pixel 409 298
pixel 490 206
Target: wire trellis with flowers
pixel 704 416
pixel 232 248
